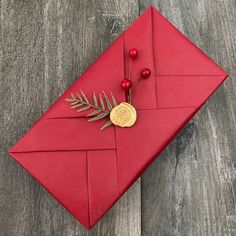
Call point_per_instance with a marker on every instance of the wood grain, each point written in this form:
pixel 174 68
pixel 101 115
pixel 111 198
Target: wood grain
pixel 189 190
pixel 45 45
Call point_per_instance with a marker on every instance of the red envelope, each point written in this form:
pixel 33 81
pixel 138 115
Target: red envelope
pixel 87 170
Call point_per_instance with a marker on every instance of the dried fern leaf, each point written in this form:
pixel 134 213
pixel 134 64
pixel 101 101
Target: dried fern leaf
pixel 94 113
pixel 69 99
pixel 77 105
pixel 98 117
pixel 99 112
pixel 73 103
pixel 80 98
pixel 114 100
pixel 109 123
pixel 107 101
pixel 84 96
pixel 95 99
pixel 73 96
pixel 102 103
pixel 84 108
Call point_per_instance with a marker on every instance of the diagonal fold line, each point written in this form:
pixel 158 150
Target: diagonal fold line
pixel 87 177
pixel 154 59
pixel 75 150
pixel 117 170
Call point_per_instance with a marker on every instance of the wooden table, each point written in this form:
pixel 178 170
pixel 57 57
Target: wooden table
pixel 189 190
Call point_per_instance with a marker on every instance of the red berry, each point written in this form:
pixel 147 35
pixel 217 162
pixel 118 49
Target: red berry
pixel 133 53
pixel 145 73
pixel 126 84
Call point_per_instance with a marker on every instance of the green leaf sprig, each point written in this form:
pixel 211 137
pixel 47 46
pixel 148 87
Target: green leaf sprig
pixel 101 108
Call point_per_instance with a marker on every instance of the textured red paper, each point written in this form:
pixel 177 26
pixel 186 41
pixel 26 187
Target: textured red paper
pixel 86 169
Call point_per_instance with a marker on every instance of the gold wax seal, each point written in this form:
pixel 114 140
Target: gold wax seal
pixel 123 115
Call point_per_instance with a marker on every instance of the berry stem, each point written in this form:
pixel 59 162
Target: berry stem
pixel 136 82
pixel 129 95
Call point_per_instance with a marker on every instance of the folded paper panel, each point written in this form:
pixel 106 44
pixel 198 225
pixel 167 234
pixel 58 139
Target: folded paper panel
pixel 66 134
pixel 102 171
pixel 186 91
pixel 64 175
pixel 177 55
pixel 152 133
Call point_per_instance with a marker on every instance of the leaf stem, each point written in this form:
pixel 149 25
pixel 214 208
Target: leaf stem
pixel 91 105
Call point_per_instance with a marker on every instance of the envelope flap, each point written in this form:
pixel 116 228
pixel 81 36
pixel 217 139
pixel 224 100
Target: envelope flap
pixel 185 76
pixel 177 55
pixel 64 175
pixel 154 130
pixel 66 134
pixel 186 91
pixel 76 178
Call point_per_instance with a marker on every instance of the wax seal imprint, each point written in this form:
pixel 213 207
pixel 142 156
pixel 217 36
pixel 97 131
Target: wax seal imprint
pixel 123 115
